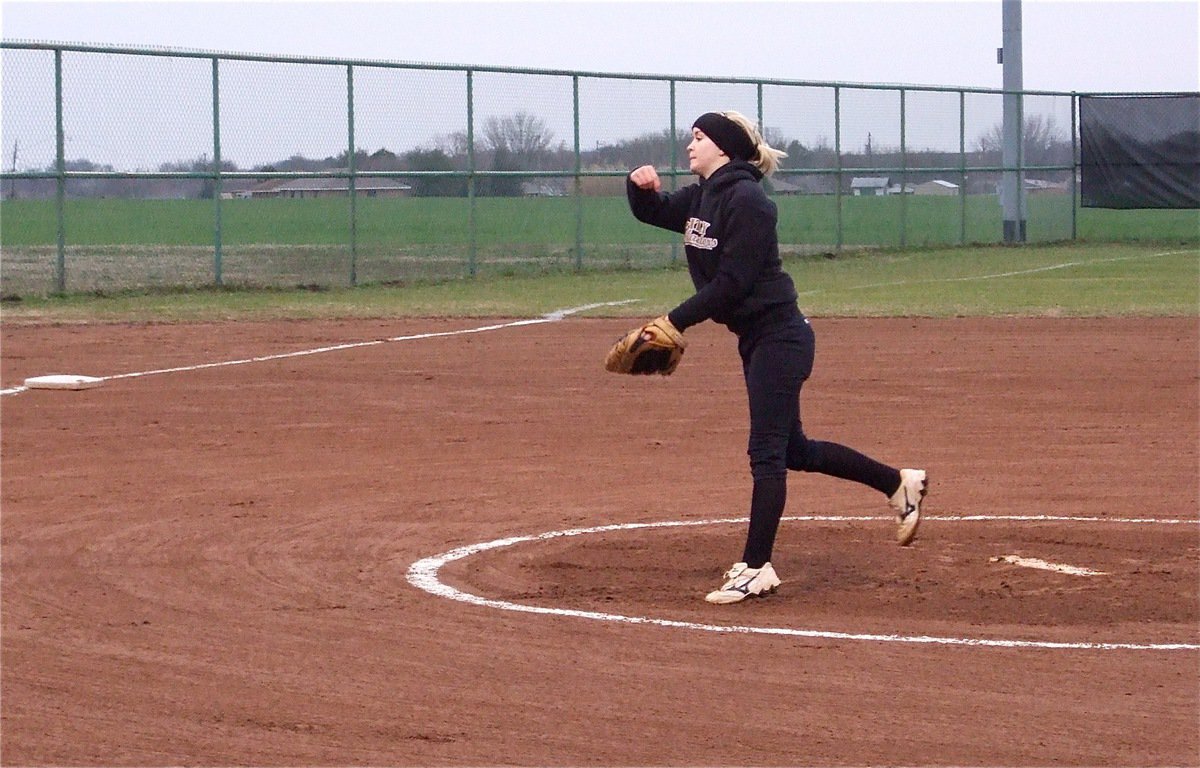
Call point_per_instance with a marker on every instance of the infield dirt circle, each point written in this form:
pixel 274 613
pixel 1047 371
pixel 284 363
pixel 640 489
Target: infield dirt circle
pixel 208 565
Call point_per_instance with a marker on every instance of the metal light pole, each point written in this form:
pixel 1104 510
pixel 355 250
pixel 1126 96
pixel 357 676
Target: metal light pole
pixel 1012 186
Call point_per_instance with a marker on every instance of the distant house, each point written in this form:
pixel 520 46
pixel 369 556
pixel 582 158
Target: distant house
pixel 895 189
pixel 603 186
pixel 780 186
pixel 801 184
pixel 365 186
pixel 1041 185
pixel 543 188
pixel 865 186
pixel 236 188
pixel 935 187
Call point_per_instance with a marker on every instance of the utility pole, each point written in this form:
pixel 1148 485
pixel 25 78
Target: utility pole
pixel 1012 185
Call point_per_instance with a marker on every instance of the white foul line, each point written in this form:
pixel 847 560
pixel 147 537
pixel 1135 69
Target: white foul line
pixel 549 317
pixel 423 575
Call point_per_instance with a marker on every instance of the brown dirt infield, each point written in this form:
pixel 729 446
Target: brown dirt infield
pixel 208 567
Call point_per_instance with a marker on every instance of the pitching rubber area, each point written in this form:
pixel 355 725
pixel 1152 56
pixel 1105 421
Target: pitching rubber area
pixel 239 549
pixel 424 574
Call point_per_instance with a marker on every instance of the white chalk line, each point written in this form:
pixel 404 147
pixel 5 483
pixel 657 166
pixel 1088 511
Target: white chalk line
pixel 549 317
pixel 995 275
pixel 423 574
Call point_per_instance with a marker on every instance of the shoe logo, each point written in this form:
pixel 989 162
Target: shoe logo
pixel 734 585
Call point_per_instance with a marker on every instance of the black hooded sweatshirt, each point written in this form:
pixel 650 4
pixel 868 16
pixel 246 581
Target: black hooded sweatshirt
pixel 728 225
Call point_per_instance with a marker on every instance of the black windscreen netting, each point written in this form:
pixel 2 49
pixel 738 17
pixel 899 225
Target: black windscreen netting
pixel 1140 151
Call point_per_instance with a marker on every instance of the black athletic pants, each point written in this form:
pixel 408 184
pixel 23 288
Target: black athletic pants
pixel 776 361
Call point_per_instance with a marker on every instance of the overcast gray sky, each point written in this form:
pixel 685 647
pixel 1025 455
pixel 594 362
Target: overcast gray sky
pixel 138 112
pixel 1081 45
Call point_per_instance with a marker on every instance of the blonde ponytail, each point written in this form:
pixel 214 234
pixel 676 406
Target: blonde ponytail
pixel 766 158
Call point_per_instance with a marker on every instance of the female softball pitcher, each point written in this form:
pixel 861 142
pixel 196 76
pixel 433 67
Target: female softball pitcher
pixel 728 225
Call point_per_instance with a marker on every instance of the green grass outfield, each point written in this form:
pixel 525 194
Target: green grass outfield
pixel 398 223
pixel 1035 280
pixel 121 245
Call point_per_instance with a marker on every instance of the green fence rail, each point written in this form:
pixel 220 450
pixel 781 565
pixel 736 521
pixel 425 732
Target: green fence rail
pixel 132 168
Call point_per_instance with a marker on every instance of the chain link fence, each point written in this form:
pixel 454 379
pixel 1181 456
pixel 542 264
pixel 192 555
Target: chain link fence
pixel 143 168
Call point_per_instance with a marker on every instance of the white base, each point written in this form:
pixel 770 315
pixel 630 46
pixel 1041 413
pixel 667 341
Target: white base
pixel 63 381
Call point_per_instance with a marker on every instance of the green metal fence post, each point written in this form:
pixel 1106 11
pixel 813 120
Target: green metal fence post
pixel 759 89
pixel 471 223
pixel 350 182
pixel 578 180
pixel 60 187
pixel 674 164
pixel 837 163
pixel 1075 167
pixel 216 118
pixel 962 165
pixel 903 175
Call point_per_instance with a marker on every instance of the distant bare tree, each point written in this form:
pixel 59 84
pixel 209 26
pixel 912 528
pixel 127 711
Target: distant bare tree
pixel 451 144
pixel 1044 143
pixel 519 142
pixel 774 137
pixel 522 136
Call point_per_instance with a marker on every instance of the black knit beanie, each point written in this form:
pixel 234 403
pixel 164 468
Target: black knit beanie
pixel 729 137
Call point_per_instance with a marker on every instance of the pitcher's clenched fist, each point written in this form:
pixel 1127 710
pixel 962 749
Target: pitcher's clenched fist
pixel 646 178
